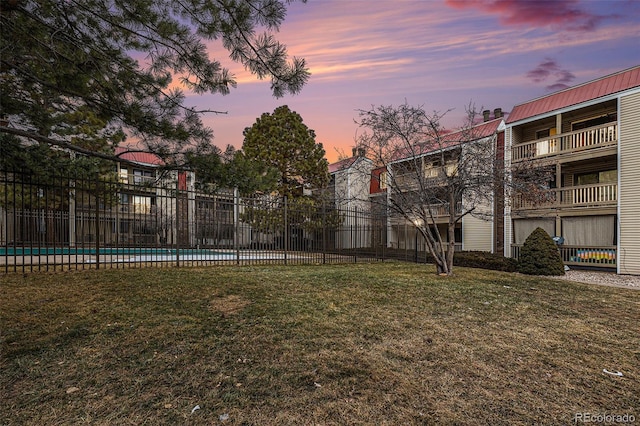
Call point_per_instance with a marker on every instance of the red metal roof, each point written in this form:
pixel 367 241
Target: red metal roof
pixel 603 86
pixel 449 140
pixel 342 164
pixel 139 157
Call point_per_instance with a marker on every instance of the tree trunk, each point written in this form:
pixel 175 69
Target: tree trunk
pixel 451 246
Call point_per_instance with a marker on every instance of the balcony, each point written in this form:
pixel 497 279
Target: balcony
pixel 580 140
pixel 442 210
pixel 584 196
pixel 411 181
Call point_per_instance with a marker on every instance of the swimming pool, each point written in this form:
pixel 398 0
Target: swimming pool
pixel 47 251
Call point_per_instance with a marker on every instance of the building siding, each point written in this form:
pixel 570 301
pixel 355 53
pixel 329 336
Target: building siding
pixel 629 182
pixel 477 234
pixel 508 230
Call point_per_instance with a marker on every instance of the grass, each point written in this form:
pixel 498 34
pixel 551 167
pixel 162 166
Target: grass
pixel 387 343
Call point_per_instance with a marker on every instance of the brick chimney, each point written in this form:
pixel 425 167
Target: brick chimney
pixel 497 113
pixel 485 114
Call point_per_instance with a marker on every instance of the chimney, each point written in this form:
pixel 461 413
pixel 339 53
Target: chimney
pixel 361 152
pixel 353 151
pixel 497 113
pixel 485 114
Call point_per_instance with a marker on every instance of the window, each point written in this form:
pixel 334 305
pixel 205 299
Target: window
pixel 546 146
pixel 451 169
pixel 432 169
pixel 608 176
pixel 594 121
pixel 142 176
pixel 545 133
pixel 124 175
pixel 383 180
pixel 141 204
pixel 124 226
pixel 124 202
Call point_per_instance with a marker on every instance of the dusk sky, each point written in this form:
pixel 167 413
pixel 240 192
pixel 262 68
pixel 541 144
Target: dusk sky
pixel 441 54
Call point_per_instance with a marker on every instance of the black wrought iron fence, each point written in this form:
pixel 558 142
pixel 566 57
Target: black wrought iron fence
pixel 78 223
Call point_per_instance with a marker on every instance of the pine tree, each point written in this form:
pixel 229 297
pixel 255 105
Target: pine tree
pixel 83 74
pixel 283 142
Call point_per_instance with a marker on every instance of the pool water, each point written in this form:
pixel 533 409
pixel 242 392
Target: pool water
pixel 43 251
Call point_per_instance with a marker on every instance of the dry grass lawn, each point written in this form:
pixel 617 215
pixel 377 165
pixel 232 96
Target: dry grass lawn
pixel 386 343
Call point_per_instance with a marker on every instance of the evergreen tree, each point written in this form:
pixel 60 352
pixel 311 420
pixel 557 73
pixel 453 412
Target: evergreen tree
pixel 216 170
pixel 82 74
pixel 283 142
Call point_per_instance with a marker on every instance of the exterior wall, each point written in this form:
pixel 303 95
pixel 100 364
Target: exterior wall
pixel 508 226
pixel 628 183
pixel 478 229
pixel 477 234
pixel 351 193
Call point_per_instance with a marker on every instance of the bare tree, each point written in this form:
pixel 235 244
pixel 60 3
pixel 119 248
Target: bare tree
pixel 433 176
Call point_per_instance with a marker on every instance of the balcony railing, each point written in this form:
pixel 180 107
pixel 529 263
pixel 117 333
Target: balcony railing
pixel 411 181
pixel 601 257
pixel 442 210
pixel 593 137
pixel 595 195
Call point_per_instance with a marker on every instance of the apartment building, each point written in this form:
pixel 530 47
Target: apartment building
pixel 432 169
pixel 588 136
pixel 349 187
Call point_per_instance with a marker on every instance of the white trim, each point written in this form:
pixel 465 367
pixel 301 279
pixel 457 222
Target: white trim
pixel 618 257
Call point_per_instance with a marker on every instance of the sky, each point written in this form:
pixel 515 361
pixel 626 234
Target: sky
pixel 443 55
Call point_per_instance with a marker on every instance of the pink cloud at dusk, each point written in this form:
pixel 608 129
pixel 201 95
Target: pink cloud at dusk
pixel 566 14
pixel 440 54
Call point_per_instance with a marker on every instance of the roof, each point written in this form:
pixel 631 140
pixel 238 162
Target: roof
pixel 145 158
pixel 344 164
pixel 604 86
pixel 477 132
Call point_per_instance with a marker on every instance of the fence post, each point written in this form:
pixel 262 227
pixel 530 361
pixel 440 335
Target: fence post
pixel 354 238
pixel 286 229
pixel 324 231
pixel 72 215
pixel 416 244
pixel 97 222
pixel 384 234
pixel 178 221
pixel 236 227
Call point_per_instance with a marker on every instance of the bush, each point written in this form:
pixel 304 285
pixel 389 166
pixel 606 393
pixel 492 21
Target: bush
pixel 540 255
pixel 485 260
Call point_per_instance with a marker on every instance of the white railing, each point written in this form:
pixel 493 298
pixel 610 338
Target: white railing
pixel 594 137
pixel 600 194
pixel 595 195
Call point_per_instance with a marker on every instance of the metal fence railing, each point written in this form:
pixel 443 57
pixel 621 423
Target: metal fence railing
pixel 76 223
pixel 590 256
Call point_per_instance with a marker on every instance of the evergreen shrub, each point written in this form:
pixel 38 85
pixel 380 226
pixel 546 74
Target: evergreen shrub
pixel 485 260
pixel 540 256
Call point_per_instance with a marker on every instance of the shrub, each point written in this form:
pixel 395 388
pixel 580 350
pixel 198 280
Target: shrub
pixel 540 255
pixel 484 260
